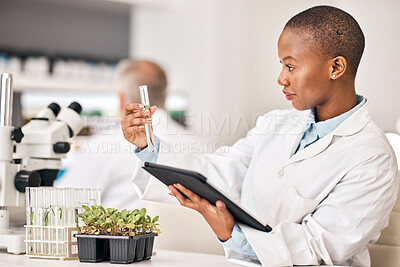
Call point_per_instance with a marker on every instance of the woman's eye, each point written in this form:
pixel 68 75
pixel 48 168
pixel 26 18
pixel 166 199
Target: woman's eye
pixel 289 68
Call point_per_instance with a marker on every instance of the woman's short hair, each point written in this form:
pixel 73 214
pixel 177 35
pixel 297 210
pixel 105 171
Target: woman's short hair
pixel 335 31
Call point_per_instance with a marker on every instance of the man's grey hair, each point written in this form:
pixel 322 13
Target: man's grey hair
pixel 133 73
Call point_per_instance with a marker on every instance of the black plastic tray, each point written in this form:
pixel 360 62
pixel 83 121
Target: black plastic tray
pixel 116 249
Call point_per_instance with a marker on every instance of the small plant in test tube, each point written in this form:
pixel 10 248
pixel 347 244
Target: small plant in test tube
pixel 144 97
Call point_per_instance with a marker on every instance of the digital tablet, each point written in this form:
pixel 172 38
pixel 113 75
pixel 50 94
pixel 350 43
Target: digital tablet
pixel 197 183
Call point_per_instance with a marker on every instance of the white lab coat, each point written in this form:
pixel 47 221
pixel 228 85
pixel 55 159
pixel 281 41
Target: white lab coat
pixel 325 203
pixel 107 161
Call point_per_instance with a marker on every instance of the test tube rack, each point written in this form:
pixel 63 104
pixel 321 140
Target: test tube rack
pixel 63 247
pixel 51 220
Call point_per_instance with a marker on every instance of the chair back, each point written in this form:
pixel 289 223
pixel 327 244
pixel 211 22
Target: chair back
pixel 386 251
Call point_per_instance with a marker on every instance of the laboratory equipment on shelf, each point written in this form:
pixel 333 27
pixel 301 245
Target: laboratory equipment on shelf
pixel 31 155
pixel 52 218
pixel 144 97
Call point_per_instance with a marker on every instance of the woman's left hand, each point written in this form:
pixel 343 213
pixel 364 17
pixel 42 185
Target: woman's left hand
pixel 218 216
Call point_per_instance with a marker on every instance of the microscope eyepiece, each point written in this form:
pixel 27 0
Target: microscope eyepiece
pixel 75 106
pixel 55 108
pixel 71 116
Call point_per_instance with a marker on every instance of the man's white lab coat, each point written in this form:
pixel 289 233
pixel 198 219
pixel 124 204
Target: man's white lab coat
pixel 324 203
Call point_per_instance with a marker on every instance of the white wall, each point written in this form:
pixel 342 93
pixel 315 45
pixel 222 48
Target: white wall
pixel 267 21
pixel 200 44
pixel 223 52
pixel 377 78
pixel 179 39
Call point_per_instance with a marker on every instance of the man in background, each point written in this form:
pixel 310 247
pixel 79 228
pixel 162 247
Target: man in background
pixel 106 160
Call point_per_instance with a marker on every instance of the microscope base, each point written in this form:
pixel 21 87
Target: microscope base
pixel 13 242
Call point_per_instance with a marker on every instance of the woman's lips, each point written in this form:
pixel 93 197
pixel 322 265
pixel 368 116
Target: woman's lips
pixel 288 95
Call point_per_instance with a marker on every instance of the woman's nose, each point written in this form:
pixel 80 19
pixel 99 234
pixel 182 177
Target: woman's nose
pixel 282 80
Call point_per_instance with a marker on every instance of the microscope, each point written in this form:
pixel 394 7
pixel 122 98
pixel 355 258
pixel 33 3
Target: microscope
pixel 30 156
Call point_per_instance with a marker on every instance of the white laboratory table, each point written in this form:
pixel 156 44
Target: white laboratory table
pixel 162 258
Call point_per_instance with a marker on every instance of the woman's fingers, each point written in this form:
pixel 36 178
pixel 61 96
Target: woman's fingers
pixel 220 205
pixel 137 110
pixel 182 200
pixel 222 209
pixel 152 110
pixel 190 199
pixel 132 130
pixel 194 197
pixel 218 216
pixel 131 108
pixel 129 121
pixel 134 123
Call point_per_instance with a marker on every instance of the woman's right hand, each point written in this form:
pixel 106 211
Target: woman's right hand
pixel 133 122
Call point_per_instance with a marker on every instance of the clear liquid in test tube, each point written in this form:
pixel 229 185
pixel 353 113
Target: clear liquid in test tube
pixel 144 97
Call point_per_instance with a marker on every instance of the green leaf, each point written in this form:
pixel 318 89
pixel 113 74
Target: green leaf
pixel 52 210
pixel 46 218
pixel 86 208
pixel 143 212
pixel 110 221
pixel 155 219
pixel 102 209
pixel 30 216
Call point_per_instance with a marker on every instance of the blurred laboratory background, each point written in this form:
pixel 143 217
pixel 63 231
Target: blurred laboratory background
pixel 220 56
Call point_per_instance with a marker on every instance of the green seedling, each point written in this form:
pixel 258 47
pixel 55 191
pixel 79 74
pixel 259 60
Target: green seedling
pixel 30 216
pixel 46 217
pixel 99 221
pixel 147 108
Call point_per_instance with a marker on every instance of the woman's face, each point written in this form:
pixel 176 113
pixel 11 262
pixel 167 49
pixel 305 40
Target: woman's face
pixel 305 74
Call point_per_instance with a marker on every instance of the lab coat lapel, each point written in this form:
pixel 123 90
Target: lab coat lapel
pixel 294 135
pixel 350 126
pixel 311 150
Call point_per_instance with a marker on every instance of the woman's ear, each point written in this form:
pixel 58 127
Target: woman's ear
pixel 338 67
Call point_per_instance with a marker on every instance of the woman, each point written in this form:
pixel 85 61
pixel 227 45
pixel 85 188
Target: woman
pixel 323 175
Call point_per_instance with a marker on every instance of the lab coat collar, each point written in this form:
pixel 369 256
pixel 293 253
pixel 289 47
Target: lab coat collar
pixel 355 122
pixel 349 126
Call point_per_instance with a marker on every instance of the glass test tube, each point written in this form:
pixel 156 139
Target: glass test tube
pixel 31 248
pixel 50 211
pixel 94 196
pixel 61 214
pixel 30 195
pixel 144 97
pixel 53 221
pixel 46 220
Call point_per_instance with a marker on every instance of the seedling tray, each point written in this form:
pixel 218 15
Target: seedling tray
pixel 116 249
